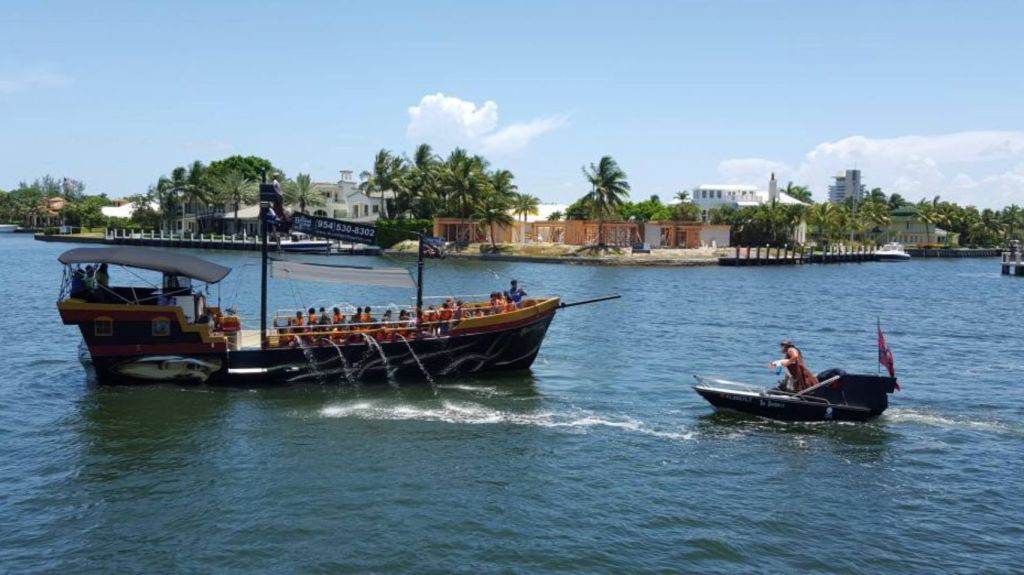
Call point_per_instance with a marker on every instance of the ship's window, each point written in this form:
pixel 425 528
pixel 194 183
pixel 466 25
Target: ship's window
pixel 161 326
pixel 103 327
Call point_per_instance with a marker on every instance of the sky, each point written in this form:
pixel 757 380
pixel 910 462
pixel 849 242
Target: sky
pixel 924 97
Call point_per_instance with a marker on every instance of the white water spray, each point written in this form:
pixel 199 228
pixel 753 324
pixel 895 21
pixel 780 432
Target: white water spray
pixel 384 358
pixel 430 378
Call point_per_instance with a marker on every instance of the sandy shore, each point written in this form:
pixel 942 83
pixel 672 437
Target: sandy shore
pixel 561 254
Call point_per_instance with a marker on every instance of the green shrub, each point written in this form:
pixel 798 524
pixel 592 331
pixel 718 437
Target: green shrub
pixel 390 232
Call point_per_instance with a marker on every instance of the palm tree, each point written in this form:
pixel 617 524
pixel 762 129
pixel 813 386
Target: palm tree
pixel 197 189
pixel 502 184
pixel 802 193
pixel 874 214
pixel 493 210
pixel 464 179
pixel 525 205
pixel 387 175
pixel 928 214
pixel 683 196
pixel 826 219
pixel 236 189
pixel 301 192
pixel 608 187
pixel 171 191
pixel 1012 218
pixel 994 225
pixel 555 216
pixel 420 190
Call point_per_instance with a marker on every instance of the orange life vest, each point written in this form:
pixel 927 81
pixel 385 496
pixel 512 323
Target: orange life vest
pixel 298 322
pixel 339 318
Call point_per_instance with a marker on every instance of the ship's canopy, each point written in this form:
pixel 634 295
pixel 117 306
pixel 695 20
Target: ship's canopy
pixel 353 275
pixel 147 259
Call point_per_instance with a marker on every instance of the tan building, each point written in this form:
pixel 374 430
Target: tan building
pixel 662 234
pixel 907 227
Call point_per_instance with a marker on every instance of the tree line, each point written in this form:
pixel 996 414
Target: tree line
pixel 31 199
pixel 866 220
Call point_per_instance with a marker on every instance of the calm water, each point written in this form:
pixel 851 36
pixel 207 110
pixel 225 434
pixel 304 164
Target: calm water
pixel 602 459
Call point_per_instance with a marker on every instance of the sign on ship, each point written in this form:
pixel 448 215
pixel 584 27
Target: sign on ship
pixel 334 229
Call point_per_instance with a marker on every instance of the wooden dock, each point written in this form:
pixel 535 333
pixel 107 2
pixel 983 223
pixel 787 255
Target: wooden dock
pixel 954 252
pixel 191 241
pixel 768 256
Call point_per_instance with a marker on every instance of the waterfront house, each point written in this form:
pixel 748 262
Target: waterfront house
pixel 343 200
pixel 708 197
pixel 908 228
pixel 48 214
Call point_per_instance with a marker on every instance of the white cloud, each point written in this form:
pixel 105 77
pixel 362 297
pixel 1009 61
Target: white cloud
pixel 984 168
pixel 446 121
pixel 27 80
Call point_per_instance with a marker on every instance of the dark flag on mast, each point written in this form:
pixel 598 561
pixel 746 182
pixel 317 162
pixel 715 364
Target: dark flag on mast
pixel 885 354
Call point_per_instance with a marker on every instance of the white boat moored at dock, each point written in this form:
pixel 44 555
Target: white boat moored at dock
pixel 892 252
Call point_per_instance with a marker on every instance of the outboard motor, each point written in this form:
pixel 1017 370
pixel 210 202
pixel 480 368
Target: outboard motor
pixel 830 373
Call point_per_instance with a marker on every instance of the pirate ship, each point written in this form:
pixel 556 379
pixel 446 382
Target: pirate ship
pixel 170 333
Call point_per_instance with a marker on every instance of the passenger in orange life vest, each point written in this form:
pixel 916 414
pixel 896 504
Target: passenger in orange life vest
pixel 312 317
pixel 430 318
pixel 338 318
pixel 798 376
pixel 358 316
pixel 297 322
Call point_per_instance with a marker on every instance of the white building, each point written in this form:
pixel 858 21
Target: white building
pixel 711 196
pixel 846 185
pixel 344 200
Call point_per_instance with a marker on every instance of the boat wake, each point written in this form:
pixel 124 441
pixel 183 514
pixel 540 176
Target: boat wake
pixel 476 414
pixel 482 390
pixel 901 415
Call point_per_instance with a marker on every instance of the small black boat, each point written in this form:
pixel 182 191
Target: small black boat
pixel 840 396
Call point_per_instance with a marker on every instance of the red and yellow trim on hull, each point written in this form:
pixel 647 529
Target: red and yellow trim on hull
pixel 531 311
pixel 132 334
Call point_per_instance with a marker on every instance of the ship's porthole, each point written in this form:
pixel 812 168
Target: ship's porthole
pixel 161 327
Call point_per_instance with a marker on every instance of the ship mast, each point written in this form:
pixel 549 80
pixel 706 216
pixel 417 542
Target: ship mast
pixel 419 279
pixel 266 192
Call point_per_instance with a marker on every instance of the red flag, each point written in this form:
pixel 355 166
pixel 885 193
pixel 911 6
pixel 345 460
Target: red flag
pixel 885 354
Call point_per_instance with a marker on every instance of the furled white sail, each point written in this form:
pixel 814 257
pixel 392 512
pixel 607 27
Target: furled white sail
pixel 303 271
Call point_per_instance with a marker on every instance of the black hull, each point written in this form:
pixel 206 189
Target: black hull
pixel 852 397
pixel 509 349
pixel 783 409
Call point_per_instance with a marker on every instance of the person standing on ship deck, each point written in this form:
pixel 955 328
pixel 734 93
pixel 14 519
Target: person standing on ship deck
pixel 516 293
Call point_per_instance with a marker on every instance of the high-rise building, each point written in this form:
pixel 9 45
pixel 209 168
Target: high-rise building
pixel 846 185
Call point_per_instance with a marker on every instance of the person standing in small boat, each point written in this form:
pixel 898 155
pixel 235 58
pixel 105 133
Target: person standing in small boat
pixel 798 376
